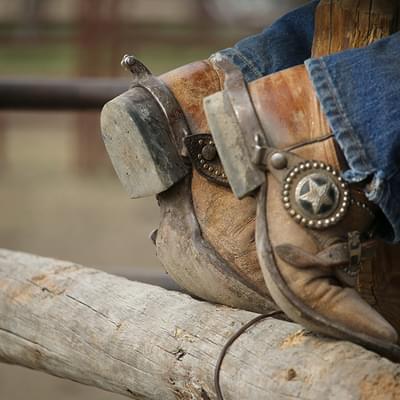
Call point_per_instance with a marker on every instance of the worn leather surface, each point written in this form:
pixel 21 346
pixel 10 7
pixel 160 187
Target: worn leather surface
pixel 226 223
pixel 290 114
pixel 288 108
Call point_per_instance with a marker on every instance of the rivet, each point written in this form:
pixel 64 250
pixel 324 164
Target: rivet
pixel 279 161
pixel 202 162
pixel 292 213
pixel 211 169
pixel 286 193
pixel 286 200
pixel 199 156
pixel 205 166
pixel 298 217
pixel 216 173
pixel 311 223
pixel 287 206
pixel 201 142
pixel 315 165
pixel 209 152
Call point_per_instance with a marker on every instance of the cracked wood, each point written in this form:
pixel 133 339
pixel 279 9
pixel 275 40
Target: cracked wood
pixel 148 343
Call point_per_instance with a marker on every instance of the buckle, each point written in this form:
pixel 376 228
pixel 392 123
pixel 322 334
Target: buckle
pixel 355 251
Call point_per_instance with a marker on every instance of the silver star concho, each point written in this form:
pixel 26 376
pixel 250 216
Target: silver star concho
pixel 315 195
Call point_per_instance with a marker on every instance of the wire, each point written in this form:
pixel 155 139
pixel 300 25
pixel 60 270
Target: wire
pixel 229 343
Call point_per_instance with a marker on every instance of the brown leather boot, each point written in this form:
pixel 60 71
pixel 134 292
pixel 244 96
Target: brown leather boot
pixel 159 142
pixel 313 229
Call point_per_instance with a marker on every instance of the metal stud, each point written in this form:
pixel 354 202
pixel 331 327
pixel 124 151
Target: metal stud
pixel 209 152
pixel 279 161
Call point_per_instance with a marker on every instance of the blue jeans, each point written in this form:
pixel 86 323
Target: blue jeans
pixel 360 94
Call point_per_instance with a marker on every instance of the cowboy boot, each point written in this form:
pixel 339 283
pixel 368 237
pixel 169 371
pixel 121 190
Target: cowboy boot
pixel 158 139
pixel 313 229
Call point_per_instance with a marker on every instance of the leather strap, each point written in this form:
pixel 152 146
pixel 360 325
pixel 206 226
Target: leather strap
pixel 204 157
pixel 338 257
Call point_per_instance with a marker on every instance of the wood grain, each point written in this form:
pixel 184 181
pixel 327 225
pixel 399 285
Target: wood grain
pixel 347 24
pixel 148 343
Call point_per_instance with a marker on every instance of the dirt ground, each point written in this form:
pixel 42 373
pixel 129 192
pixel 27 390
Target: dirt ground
pixel 48 208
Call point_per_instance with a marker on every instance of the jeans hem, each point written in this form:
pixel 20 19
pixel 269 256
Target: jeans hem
pixel 249 70
pixel 353 150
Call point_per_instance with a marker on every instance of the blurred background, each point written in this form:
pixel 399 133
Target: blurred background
pixel 58 193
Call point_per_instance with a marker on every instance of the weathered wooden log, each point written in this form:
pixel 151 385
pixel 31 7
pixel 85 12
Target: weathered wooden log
pixel 149 343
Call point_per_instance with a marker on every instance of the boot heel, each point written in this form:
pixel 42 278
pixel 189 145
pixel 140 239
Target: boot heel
pixel 142 129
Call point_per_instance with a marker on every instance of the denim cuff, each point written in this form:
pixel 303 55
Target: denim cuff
pixel 353 150
pixel 382 189
pixel 248 68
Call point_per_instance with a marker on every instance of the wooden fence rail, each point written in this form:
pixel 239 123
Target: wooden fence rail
pixel 148 343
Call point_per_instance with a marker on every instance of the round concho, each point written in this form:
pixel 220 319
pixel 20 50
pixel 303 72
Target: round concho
pixel 315 195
